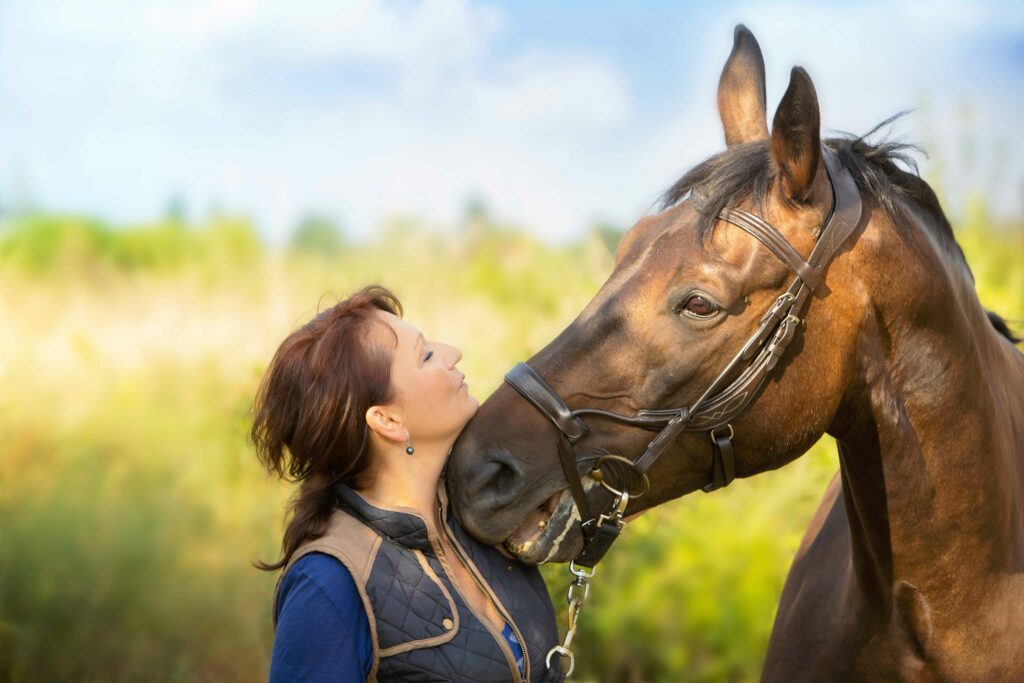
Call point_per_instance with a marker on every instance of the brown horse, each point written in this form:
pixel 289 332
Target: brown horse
pixel 913 567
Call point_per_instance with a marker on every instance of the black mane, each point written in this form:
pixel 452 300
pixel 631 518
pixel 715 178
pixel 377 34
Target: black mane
pixel 883 171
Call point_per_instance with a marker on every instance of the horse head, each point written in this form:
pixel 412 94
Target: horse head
pixel 687 293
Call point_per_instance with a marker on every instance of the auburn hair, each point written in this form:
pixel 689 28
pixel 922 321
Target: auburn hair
pixel 309 415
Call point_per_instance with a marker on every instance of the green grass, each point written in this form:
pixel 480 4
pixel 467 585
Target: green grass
pixel 131 506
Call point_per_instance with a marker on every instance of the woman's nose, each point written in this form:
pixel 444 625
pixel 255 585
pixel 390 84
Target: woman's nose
pixel 455 354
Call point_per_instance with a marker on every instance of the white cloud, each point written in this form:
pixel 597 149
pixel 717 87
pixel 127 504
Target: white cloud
pixel 111 106
pixel 150 80
pixel 169 42
pixel 556 93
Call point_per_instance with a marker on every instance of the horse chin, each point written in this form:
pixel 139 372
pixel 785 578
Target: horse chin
pixel 549 534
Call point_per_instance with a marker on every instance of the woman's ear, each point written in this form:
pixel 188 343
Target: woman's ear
pixel 386 423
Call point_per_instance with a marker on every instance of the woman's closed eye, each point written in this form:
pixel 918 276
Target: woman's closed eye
pixel 427 356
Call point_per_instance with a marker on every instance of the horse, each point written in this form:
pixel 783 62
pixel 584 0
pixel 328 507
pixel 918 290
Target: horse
pixel 912 569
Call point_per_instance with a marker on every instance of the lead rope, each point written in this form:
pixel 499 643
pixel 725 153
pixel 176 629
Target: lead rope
pixel 579 592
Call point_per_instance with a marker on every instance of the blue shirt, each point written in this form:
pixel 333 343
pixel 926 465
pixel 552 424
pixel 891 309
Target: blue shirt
pixel 322 631
pixel 517 651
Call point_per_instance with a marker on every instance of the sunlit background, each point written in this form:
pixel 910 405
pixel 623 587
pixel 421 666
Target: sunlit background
pixel 182 183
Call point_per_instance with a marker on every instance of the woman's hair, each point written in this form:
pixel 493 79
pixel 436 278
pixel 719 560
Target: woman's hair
pixel 309 421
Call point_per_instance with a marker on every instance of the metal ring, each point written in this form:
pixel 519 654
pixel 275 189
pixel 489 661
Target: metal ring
pixel 565 652
pixel 645 483
pixel 731 432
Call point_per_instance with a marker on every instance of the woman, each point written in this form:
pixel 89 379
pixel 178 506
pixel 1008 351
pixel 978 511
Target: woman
pixel 380 582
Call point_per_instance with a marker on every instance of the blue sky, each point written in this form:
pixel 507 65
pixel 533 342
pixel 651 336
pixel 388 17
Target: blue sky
pixel 555 114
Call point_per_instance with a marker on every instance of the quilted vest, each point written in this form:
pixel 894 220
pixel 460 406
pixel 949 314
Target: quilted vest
pixel 421 628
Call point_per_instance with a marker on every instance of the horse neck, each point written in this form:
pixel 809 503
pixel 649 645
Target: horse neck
pixel 933 479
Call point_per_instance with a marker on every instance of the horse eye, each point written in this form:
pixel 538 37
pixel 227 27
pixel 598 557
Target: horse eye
pixel 700 306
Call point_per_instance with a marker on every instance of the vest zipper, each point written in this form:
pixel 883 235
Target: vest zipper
pixel 502 643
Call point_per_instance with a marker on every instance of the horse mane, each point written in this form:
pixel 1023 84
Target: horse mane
pixel 884 171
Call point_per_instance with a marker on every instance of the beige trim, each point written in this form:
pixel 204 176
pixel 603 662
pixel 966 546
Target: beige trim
pixel 473 568
pixel 435 640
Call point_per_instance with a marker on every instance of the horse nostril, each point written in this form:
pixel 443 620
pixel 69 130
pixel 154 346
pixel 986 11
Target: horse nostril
pixel 498 481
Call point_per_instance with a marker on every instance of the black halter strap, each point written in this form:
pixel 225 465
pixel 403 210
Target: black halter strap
pixel 729 393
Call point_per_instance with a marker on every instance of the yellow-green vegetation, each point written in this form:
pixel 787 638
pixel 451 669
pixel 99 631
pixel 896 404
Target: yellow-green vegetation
pixel 131 504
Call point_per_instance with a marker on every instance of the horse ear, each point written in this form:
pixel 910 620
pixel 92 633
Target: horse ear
pixel 741 98
pixel 796 137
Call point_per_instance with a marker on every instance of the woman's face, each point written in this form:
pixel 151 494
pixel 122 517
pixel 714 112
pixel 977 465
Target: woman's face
pixel 431 393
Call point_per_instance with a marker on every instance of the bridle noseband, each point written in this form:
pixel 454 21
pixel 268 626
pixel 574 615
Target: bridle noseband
pixel 724 399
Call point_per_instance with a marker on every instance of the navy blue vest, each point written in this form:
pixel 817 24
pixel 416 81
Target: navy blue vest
pixel 422 628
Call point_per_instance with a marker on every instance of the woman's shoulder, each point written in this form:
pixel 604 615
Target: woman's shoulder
pixel 322 632
pixel 317 564
pixel 314 578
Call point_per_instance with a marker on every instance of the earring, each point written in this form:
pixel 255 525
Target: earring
pixel 408 444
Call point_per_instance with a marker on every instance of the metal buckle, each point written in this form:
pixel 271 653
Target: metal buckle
pixel 787 328
pixel 618 509
pixel 780 303
pixel 764 330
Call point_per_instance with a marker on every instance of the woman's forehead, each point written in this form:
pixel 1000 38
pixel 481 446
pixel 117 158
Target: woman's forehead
pixel 405 333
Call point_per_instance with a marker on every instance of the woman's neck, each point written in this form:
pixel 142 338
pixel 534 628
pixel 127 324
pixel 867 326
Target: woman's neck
pixel 410 481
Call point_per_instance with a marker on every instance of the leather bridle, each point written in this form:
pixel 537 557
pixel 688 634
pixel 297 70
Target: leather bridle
pixel 722 401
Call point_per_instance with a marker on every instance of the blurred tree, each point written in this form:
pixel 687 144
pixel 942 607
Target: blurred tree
pixel 477 222
pixel 609 233
pixel 176 210
pixel 476 209
pixel 317 234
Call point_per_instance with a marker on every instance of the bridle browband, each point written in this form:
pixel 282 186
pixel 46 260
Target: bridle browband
pixel 723 400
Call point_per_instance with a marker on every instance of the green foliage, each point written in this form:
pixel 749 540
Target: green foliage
pixel 131 506
pixel 609 234
pixel 317 235
pixel 45 245
pixel 995 251
pixel 127 541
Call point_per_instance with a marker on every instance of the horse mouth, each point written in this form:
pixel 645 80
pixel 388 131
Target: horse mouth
pixel 543 535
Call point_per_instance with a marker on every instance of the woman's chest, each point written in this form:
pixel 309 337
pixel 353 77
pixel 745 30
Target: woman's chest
pixel 472 592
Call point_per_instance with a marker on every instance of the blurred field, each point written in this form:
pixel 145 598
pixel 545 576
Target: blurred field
pixel 131 506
